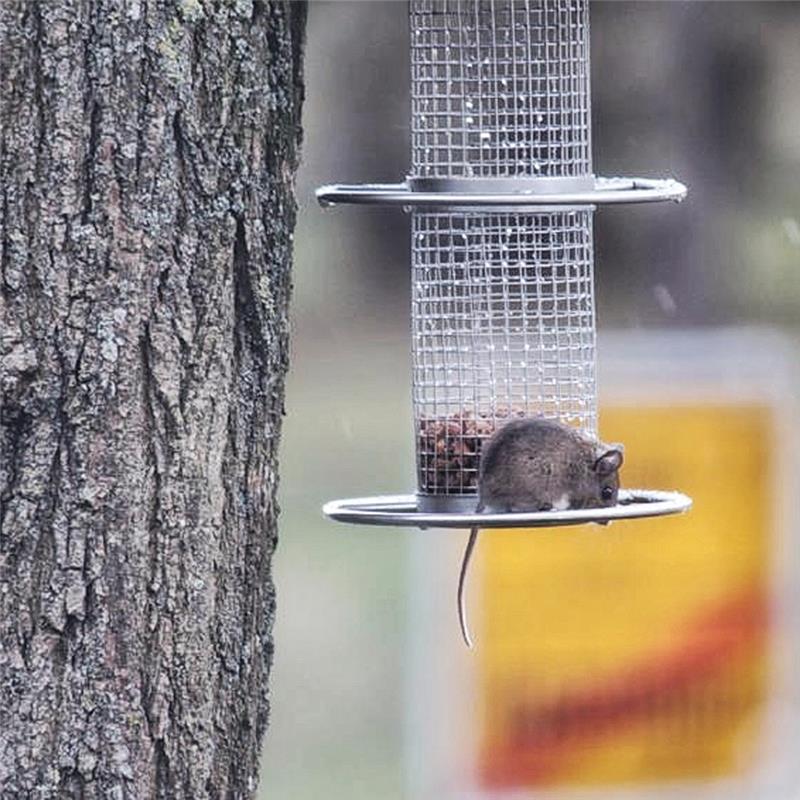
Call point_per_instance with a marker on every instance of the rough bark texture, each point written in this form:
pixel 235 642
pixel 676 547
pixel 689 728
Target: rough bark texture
pixel 147 157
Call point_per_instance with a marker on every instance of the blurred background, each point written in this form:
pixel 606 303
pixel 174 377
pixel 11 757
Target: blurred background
pixel 373 694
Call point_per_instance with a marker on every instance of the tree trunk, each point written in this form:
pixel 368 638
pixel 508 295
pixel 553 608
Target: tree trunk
pixel 147 158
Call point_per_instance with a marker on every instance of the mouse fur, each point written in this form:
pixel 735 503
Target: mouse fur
pixel 538 464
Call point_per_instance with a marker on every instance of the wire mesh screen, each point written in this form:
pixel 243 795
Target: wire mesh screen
pixel 500 88
pixel 503 325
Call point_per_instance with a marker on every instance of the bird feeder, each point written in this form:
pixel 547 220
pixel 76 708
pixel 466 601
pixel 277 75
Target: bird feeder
pixel 502 197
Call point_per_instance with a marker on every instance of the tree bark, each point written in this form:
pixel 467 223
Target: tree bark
pixel 147 159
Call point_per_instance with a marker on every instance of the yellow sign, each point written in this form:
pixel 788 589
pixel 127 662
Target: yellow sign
pixel 637 652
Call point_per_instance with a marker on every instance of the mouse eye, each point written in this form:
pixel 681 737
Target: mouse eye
pixel 607 493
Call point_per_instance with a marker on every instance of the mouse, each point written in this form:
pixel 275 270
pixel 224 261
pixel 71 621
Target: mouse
pixel 540 464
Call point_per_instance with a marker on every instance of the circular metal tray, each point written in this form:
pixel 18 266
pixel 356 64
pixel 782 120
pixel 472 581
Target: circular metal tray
pixel 402 510
pixel 605 191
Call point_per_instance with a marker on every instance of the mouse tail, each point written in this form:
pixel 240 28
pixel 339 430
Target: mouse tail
pixel 462 607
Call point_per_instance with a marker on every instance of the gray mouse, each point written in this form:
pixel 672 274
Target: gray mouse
pixel 538 464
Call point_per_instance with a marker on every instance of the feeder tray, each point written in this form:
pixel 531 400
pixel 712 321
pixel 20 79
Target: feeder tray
pixel 404 510
pixel 604 191
pixel 502 195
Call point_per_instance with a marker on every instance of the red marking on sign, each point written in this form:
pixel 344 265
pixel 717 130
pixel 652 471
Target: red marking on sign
pixel 542 738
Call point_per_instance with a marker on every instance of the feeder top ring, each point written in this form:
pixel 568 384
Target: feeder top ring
pixel 508 192
pixel 403 510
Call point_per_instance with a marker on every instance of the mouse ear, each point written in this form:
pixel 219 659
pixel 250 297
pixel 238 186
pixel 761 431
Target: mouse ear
pixel 609 461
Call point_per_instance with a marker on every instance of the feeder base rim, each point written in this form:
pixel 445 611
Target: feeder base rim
pixel 402 510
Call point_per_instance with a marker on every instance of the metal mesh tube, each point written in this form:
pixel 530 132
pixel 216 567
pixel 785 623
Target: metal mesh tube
pixel 503 301
pixel 503 325
pixel 500 88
